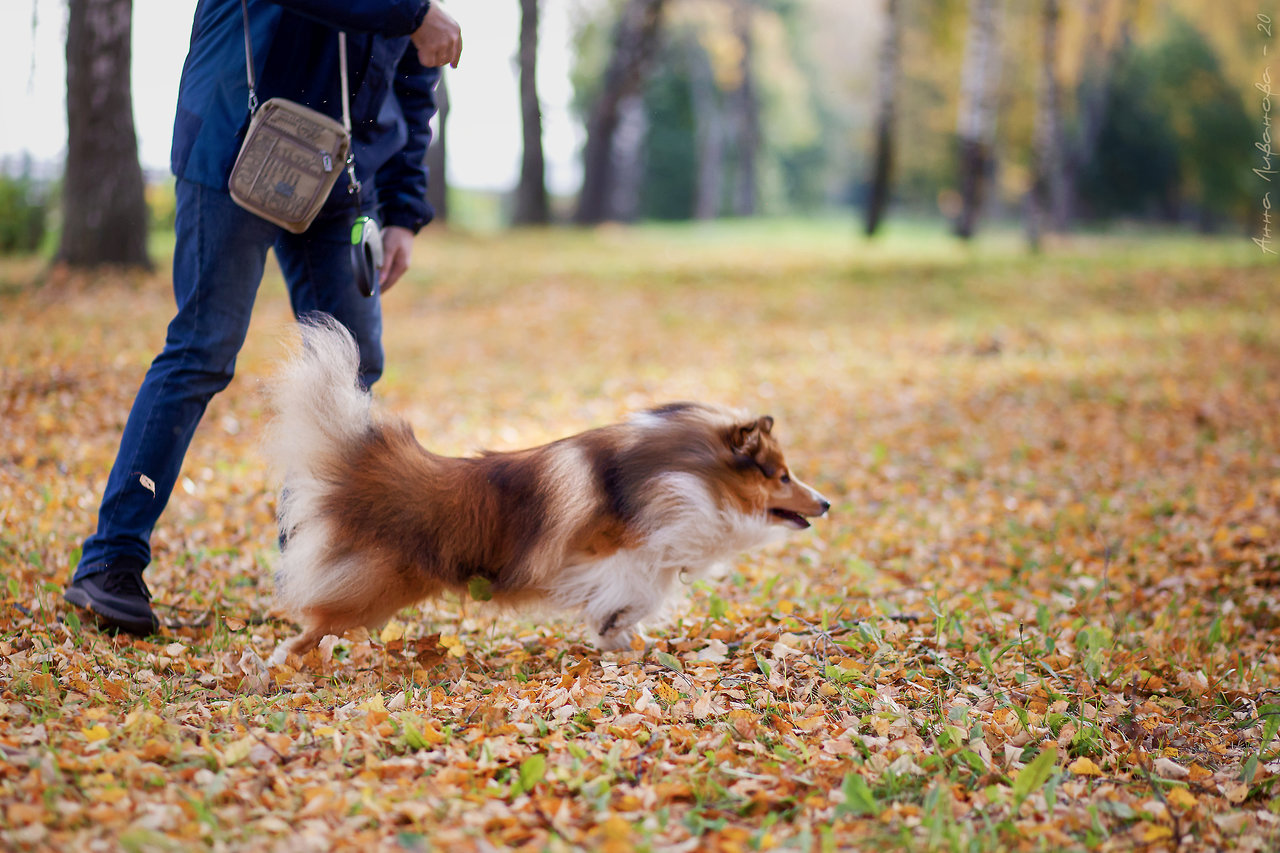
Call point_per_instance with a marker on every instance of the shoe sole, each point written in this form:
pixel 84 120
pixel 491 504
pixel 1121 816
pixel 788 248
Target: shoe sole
pixel 111 618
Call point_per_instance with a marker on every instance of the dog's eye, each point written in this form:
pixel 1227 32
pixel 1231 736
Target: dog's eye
pixel 786 478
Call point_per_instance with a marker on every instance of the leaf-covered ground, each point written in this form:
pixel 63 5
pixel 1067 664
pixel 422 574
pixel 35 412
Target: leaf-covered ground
pixel 1043 614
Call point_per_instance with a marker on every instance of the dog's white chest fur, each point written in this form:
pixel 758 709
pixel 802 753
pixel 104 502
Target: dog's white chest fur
pixel 687 537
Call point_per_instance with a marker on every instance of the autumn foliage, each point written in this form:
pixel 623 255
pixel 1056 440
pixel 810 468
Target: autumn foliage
pixel 1043 614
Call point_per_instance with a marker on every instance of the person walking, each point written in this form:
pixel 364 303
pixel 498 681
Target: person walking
pixel 394 52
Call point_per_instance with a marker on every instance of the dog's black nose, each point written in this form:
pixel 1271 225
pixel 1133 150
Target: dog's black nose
pixel 826 505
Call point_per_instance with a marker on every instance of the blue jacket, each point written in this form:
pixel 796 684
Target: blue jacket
pixel 295 52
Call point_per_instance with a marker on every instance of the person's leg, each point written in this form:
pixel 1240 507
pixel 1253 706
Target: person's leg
pixel 317 270
pixel 218 263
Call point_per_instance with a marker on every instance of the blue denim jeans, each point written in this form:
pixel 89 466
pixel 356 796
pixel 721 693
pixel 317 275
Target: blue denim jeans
pixel 217 266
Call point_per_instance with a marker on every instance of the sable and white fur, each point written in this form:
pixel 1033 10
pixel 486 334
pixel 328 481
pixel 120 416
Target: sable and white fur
pixel 602 523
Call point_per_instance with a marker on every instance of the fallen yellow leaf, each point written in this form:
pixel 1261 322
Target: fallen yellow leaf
pixel 431 734
pixel 1197 773
pixel 616 828
pixel 93 734
pixel 1182 798
pixel 454 645
pixel 1154 832
pixel 373 703
pixel 1084 766
pixel 237 751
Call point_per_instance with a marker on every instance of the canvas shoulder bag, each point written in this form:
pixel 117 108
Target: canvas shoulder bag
pixel 292 155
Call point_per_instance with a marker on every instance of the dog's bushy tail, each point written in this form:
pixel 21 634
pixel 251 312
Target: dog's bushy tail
pixel 319 404
pixel 320 410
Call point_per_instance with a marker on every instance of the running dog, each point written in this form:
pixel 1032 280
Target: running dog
pixel 601 524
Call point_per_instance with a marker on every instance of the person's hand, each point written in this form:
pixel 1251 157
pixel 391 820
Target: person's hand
pixel 438 39
pixel 397 246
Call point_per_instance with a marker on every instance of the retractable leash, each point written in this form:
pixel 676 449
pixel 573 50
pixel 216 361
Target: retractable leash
pixel 366 237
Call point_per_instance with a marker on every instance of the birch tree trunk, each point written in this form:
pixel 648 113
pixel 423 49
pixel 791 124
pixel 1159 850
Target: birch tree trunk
pixel 627 159
pixel 437 159
pixel 104 205
pixel 886 106
pixel 709 132
pixel 976 124
pixel 1045 198
pixel 1095 85
pixel 747 115
pixel 635 42
pixel 531 194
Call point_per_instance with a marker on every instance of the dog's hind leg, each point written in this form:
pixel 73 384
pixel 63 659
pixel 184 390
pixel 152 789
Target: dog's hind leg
pixel 320 626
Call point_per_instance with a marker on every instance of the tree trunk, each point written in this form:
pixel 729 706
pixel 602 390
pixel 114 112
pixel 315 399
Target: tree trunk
pixel 635 42
pixel 886 105
pixel 628 159
pixel 104 205
pixel 976 124
pixel 1045 198
pixel 437 181
pixel 708 131
pixel 747 110
pixel 531 194
pixel 1095 84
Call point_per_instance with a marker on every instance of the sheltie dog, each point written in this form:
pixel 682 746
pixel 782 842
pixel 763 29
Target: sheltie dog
pixel 601 524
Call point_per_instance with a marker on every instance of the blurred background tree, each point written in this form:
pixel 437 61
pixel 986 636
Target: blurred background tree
pixel 531 192
pixel 976 117
pixel 886 109
pixel 437 158
pixel 731 120
pixel 615 109
pixel 1046 201
pixel 1055 114
pixel 103 200
pixel 23 211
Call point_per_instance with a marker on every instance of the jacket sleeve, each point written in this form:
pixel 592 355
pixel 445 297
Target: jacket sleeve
pixel 385 17
pixel 402 180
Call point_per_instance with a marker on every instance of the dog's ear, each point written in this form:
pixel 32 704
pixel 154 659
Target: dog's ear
pixel 745 438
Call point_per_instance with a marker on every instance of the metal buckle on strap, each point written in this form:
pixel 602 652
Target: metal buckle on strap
pixel 353 184
pixel 353 187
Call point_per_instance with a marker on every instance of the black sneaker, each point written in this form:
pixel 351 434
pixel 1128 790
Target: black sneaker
pixel 118 598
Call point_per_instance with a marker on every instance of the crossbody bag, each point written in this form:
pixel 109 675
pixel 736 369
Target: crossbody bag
pixel 291 155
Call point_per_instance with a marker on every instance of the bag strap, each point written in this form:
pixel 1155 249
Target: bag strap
pixel 353 187
pixel 248 59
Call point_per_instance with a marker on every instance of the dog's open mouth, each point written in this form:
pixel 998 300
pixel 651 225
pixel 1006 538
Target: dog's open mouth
pixel 789 518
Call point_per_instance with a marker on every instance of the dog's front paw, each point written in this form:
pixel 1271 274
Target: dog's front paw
pixel 614 632
pixel 279 656
pixel 623 640
pixel 250 662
